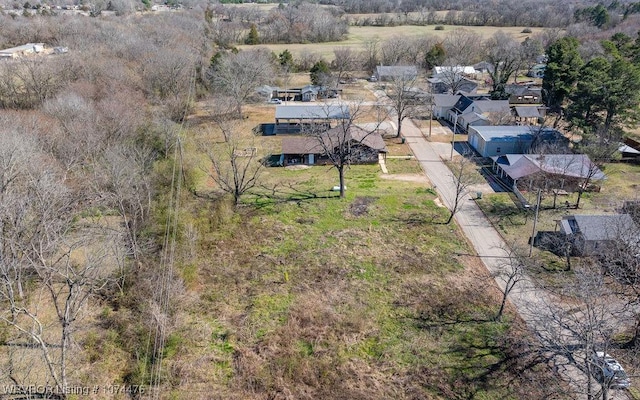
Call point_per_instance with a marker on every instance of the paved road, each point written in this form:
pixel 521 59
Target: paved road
pixel 488 244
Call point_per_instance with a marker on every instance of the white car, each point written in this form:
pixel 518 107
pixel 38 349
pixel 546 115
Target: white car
pixel 608 371
pixel 275 101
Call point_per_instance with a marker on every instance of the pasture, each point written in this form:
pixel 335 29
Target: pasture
pixel 360 35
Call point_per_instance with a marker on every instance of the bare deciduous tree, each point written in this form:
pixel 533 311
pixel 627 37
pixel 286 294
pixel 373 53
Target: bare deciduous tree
pixel 404 98
pixel 505 55
pixel 621 260
pixel 238 75
pixel 235 168
pixel 345 60
pixel 513 270
pixel 572 331
pixel 462 47
pixel 44 244
pixel 464 175
pixel 342 145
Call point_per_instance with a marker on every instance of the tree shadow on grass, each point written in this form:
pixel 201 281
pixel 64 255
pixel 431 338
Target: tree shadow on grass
pixel 483 358
pixel 269 196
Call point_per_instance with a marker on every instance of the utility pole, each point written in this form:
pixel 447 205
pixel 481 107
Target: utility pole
pixel 453 137
pixel 430 120
pixel 535 222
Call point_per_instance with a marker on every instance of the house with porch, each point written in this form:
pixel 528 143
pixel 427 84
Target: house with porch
pixel 546 171
pixel 528 115
pixel 475 111
pixel 443 103
pixel 366 146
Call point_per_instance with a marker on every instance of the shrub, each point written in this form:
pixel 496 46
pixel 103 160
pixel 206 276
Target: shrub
pixel 526 30
pixel 439 28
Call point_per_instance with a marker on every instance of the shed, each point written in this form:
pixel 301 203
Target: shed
pixel 20 51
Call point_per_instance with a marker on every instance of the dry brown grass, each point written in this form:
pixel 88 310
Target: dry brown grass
pixel 358 35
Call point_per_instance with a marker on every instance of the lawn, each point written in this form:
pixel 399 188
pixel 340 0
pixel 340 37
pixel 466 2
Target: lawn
pixel 325 297
pixel 299 291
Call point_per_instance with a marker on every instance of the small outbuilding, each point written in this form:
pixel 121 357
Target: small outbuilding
pixel 21 51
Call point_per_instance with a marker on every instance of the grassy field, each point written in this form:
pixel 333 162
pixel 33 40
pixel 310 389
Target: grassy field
pixel 302 294
pixel 358 35
pixel 323 297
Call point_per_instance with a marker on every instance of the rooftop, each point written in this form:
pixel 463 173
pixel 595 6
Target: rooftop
pixel 312 112
pixel 599 227
pixel 504 132
pixel 569 165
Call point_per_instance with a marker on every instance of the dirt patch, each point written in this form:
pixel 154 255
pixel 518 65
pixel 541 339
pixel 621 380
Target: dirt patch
pixel 360 206
pixel 419 178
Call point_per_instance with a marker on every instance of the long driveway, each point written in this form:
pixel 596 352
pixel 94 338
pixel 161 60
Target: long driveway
pixel 488 244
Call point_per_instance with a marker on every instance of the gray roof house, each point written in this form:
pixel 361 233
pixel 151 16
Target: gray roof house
pixel 507 139
pixel 442 103
pixel 389 73
pixel 592 234
pixel 292 118
pixel 566 168
pixel 446 83
pixel 365 146
pixel 469 111
pixel 483 67
pixel 527 115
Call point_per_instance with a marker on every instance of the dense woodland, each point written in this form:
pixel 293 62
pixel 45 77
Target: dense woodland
pixel 89 188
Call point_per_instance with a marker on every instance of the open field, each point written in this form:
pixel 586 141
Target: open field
pixel 298 291
pixel 328 298
pixel 358 35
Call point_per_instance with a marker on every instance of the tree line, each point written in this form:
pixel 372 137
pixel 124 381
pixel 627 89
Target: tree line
pixel 85 165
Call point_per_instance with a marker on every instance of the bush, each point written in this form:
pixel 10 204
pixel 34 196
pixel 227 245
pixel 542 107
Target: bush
pixel 439 28
pixel 526 30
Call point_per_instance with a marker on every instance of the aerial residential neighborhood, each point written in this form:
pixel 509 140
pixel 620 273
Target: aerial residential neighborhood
pixel 319 200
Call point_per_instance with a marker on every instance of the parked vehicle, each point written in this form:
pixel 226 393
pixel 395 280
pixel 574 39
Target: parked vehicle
pixel 275 101
pixel 608 371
